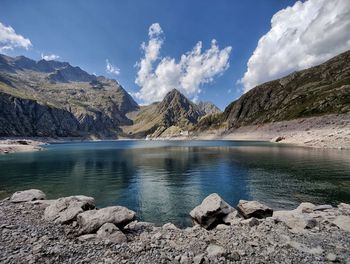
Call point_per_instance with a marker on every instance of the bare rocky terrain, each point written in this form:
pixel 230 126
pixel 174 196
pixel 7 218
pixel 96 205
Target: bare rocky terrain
pixel 327 131
pixel 69 230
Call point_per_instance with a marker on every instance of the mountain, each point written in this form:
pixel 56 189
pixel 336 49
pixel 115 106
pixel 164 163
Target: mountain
pixel 173 115
pixel 320 90
pixel 51 98
pixel 208 108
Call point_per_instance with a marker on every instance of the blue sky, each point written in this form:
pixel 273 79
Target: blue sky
pixel 87 32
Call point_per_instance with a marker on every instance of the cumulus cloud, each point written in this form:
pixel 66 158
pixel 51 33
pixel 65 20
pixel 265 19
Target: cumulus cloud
pixel 301 36
pixel 49 57
pixel 110 68
pixel 194 68
pixel 9 39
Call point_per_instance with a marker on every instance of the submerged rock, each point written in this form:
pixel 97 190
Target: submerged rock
pixel 91 221
pixel 65 210
pixel 211 211
pixel 27 196
pixel 255 209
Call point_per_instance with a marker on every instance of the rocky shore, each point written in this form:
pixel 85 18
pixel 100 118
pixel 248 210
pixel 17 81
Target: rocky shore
pixel 72 230
pixel 19 145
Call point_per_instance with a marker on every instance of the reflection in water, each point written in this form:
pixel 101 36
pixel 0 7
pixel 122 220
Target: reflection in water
pixel 164 180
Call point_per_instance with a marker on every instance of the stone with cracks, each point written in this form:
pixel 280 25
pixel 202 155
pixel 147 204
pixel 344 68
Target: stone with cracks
pixel 211 211
pixel 27 196
pixel 255 209
pixel 65 210
pixel 111 233
pixel 91 221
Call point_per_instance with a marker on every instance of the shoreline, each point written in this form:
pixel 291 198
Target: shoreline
pixel 325 132
pixel 70 230
pixel 11 145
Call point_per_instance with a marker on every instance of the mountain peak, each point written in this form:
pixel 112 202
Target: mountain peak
pixel 208 107
pixel 173 93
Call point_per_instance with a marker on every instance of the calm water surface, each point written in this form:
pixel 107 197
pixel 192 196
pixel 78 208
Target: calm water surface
pixel 163 180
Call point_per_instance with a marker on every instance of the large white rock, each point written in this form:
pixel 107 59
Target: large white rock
pixel 295 220
pixel 91 221
pixel 255 209
pixel 27 196
pixel 110 232
pixel 66 209
pixel 343 222
pixel 211 211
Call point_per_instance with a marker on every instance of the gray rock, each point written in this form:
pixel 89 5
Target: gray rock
pixel 331 257
pixel 222 226
pixel 211 211
pixel 232 218
pixel 345 208
pixel 136 226
pixel 169 226
pixel 27 196
pixel 91 221
pixel 214 250
pixel 250 209
pixel 87 237
pixel 305 208
pixel 111 233
pixel 65 210
pixel 323 207
pixel 295 220
pixel 251 222
pixel 198 259
pixel 343 222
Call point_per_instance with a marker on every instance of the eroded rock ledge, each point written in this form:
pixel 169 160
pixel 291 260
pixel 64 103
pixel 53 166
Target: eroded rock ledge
pixel 72 230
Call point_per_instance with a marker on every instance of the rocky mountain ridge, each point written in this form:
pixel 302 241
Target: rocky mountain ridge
pixel 319 90
pixel 55 99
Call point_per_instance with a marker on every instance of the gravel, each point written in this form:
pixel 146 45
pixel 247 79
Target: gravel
pixel 25 237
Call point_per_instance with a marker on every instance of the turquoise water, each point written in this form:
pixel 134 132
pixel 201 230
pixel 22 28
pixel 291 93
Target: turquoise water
pixel 163 180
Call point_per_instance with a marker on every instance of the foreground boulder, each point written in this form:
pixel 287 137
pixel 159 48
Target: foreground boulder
pixel 255 209
pixel 211 211
pixel 27 196
pixel 91 221
pixel 110 232
pixel 65 210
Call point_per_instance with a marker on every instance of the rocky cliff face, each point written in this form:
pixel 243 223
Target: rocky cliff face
pixel 324 89
pixel 24 117
pixel 90 105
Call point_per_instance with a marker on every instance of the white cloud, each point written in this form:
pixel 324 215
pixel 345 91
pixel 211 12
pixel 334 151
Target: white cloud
pixel 110 68
pixel 9 39
pixel 49 57
pixel 301 36
pixel 187 75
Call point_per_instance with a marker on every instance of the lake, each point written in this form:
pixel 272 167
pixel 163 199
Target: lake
pixel 163 180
